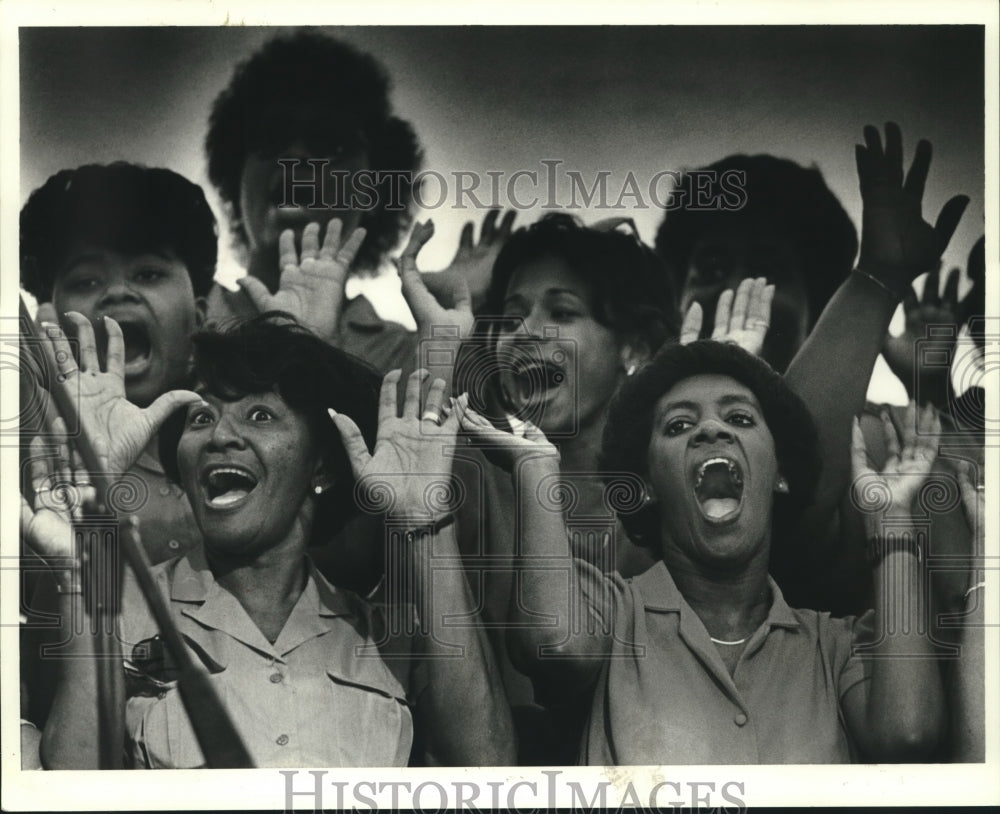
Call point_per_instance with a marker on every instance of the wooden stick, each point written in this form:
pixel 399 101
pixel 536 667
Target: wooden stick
pixel 219 741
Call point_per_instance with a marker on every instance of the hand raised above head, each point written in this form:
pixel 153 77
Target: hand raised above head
pixel 436 299
pixel 311 287
pixel 741 318
pixel 897 244
pixel 473 262
pixel 413 451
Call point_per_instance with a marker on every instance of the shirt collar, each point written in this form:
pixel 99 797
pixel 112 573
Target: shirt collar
pixel 660 593
pixel 213 607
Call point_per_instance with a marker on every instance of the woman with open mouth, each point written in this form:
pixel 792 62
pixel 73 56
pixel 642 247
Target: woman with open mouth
pixel 269 447
pixel 700 659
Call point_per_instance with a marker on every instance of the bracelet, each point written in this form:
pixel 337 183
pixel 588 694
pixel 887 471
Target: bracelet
pixel 878 282
pixel 410 535
pixel 881 545
pixel 975 587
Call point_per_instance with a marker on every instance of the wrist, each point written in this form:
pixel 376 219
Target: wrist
pixel 878 278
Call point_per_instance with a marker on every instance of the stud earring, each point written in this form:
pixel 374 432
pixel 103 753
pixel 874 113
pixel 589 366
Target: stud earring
pixel 318 489
pixel 630 370
pixel 781 486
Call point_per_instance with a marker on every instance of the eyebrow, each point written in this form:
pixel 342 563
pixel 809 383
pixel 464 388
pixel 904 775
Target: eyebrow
pixel 547 293
pixel 97 257
pixel 724 401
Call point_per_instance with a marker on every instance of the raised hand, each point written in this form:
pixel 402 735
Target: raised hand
pixel 741 318
pixel 437 299
pixel 507 449
pixel 312 282
pixel 897 244
pixel 413 455
pixel 60 488
pixel 473 262
pixel 908 463
pixel 932 309
pixel 104 410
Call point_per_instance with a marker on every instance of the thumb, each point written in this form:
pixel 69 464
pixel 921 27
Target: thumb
pixel 161 409
pixel 691 327
pixel 256 291
pixel 354 442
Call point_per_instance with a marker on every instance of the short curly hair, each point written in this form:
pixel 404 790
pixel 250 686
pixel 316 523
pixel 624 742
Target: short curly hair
pixel 627 433
pixel 301 87
pixel 124 207
pixel 631 293
pixel 790 196
pixel 273 353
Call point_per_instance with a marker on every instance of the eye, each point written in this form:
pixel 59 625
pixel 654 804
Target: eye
pixel 200 417
pixel 564 314
pixel 149 275
pixel 259 414
pixel 83 284
pixel 741 419
pixel 676 426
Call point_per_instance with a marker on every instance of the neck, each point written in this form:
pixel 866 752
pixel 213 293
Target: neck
pixel 581 452
pixel 731 603
pixel 270 580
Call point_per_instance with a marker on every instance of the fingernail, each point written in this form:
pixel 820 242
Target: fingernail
pixel 331 412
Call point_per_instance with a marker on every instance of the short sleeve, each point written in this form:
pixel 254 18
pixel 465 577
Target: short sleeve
pixel 857 668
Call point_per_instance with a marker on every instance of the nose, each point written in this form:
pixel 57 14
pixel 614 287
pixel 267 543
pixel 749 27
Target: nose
pixel 118 290
pixel 225 435
pixel 711 431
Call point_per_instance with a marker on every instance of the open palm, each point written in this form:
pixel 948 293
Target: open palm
pixel 311 287
pixel 104 410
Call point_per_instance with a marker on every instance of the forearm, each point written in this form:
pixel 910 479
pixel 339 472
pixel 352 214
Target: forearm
pixel 464 706
pixel 831 373
pixel 542 634
pixel 73 733
pixel 905 710
pixel 967 692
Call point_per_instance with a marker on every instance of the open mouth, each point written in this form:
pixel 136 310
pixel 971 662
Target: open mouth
pixel 138 346
pixel 718 488
pixel 227 486
pixel 532 382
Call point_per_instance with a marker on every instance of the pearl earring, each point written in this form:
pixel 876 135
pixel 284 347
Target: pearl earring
pixel 781 486
pixel 318 489
pixel 630 370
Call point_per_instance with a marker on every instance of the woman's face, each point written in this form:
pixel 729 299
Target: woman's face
pixel 248 468
pixel 558 366
pixel 713 468
pixel 324 188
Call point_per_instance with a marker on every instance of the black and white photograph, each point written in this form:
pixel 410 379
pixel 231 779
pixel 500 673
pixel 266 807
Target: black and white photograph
pixel 553 406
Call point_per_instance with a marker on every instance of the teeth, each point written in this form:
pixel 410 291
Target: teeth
pixel 733 471
pixel 213 476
